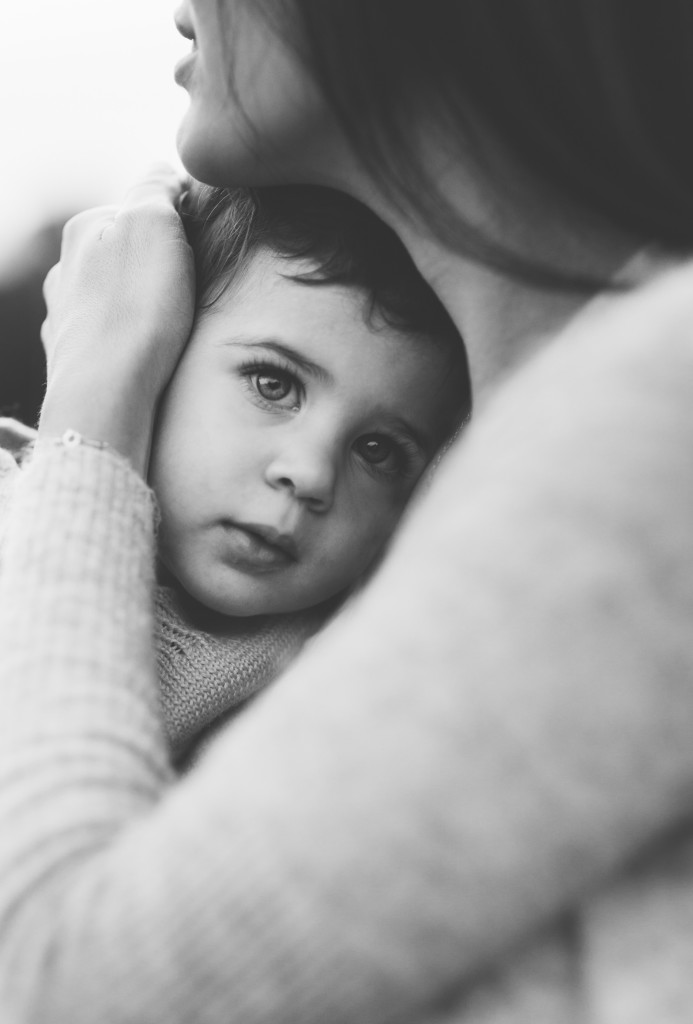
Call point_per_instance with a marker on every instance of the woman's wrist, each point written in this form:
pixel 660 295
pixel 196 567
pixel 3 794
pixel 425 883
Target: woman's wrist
pixel 102 417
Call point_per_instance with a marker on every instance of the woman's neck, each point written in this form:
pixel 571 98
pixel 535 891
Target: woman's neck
pixel 501 317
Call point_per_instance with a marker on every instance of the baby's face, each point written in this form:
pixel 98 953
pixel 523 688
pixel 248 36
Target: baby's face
pixel 289 441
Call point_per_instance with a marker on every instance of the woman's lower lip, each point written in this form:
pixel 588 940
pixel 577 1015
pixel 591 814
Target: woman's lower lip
pixel 183 69
pixel 246 550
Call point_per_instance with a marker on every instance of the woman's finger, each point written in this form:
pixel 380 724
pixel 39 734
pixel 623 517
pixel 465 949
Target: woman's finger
pixel 51 288
pixel 51 283
pixel 46 336
pixel 161 183
pixel 85 227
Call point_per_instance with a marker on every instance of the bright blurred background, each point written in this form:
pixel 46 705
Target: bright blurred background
pixel 88 102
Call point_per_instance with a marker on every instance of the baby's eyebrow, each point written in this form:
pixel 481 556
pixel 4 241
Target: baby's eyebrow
pixel 282 349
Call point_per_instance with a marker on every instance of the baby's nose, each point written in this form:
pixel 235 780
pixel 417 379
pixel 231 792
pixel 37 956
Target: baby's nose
pixel 308 471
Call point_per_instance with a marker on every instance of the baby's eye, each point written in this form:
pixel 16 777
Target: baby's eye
pixel 273 387
pixel 375 449
pixel 394 458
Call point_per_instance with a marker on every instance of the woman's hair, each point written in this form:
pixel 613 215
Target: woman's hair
pixel 344 243
pixel 594 97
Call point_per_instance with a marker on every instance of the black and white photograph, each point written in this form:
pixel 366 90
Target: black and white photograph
pixel 346 512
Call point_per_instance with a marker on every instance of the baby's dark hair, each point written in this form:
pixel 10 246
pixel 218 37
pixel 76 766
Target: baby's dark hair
pixel 346 243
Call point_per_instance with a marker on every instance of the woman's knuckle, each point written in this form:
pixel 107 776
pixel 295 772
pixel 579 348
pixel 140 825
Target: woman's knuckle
pixel 150 220
pixel 86 223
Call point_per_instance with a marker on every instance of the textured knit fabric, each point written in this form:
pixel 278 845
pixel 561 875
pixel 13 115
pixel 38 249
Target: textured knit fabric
pixel 208 669
pixel 209 665
pixel 476 827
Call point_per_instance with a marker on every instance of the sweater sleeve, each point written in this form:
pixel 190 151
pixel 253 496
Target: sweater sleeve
pixel 14 437
pixel 9 471
pixel 500 721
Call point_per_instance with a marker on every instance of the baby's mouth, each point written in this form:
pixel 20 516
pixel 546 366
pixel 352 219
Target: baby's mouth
pixel 258 547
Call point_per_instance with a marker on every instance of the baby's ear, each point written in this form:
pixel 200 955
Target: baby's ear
pixel 15 436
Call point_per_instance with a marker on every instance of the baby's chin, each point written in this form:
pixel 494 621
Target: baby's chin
pixel 230 593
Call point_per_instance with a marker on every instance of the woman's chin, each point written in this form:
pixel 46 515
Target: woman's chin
pixel 197 154
pixel 220 160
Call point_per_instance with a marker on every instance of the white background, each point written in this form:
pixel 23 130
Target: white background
pixel 87 100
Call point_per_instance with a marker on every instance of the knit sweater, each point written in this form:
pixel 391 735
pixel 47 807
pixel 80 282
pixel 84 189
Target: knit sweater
pixel 209 668
pixel 209 665
pixel 457 805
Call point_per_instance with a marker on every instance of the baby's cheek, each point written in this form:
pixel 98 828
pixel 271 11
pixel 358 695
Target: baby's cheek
pixel 370 545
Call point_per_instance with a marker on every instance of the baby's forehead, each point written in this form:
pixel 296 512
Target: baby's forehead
pixel 283 304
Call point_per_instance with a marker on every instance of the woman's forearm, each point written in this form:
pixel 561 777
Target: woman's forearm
pixel 8 475
pixel 81 751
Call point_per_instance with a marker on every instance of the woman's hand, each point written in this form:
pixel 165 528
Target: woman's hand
pixel 120 307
